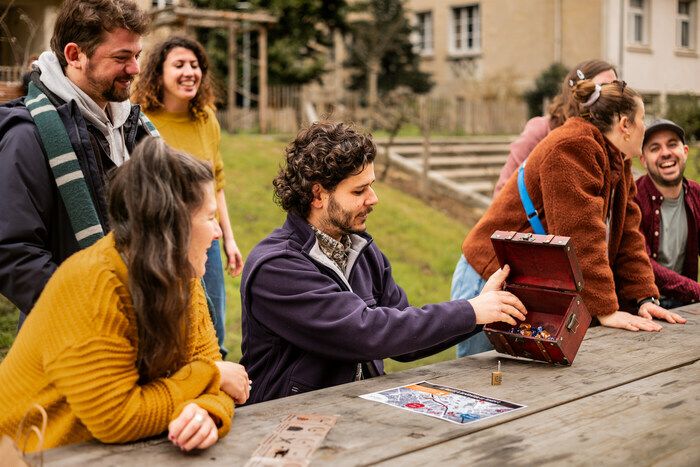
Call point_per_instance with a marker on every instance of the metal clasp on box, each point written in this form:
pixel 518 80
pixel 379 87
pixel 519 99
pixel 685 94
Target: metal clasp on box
pixel 528 237
pixel 572 323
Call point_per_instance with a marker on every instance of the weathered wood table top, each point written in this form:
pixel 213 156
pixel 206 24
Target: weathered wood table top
pixel 629 399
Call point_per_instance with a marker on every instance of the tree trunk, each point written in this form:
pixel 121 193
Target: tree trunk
pixel 425 156
pixel 372 82
pixel 387 158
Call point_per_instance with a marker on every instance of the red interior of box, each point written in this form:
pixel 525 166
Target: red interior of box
pixel 536 264
pixel 544 308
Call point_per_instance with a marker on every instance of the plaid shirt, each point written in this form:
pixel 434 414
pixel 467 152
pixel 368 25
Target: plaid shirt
pixel 337 251
pixel 682 287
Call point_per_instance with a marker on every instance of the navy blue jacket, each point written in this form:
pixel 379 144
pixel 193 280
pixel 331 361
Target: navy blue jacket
pixel 305 328
pixel 35 231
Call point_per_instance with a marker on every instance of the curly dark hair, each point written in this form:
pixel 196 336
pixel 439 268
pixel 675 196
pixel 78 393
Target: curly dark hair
pixel 86 21
pixel 148 89
pixel 325 153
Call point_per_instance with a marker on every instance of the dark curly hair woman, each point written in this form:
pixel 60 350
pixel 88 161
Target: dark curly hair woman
pixel 175 91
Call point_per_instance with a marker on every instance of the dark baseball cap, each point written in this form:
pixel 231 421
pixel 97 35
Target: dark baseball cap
pixel 663 124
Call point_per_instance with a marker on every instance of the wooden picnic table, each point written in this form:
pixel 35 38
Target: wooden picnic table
pixel 630 398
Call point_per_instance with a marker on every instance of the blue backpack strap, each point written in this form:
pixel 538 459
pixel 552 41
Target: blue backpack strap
pixel 530 210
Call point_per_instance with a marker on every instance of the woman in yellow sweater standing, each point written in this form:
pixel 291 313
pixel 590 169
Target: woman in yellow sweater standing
pixel 175 92
pixel 120 345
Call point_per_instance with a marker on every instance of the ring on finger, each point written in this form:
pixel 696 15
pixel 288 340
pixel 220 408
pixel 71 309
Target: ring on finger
pixel 199 418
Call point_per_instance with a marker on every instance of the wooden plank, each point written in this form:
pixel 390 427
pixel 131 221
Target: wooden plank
pixel 456 149
pixel 368 432
pixel 470 172
pixel 262 79
pixel 652 421
pixel 232 82
pixel 252 17
pixel 457 160
pixel 443 140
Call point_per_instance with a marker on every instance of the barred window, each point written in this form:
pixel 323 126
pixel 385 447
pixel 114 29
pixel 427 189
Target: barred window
pixel 465 30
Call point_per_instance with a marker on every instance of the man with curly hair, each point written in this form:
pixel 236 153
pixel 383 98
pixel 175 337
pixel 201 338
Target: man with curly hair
pixel 319 304
pixel 59 142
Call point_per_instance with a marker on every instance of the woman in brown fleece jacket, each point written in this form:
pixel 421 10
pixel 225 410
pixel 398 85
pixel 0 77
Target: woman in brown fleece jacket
pixel 580 181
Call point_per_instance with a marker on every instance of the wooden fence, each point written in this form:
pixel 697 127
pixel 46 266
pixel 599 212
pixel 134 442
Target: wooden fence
pixel 11 73
pixel 10 82
pixel 290 107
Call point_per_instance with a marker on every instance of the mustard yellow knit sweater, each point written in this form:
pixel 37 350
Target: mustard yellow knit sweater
pixel 76 356
pixel 199 138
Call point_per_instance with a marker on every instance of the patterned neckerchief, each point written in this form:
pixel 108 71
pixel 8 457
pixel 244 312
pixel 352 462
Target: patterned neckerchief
pixel 337 251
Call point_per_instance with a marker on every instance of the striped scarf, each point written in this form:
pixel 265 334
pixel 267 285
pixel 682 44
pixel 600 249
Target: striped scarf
pixel 64 164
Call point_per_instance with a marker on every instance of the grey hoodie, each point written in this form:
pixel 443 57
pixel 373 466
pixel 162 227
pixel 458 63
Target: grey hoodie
pixel 53 77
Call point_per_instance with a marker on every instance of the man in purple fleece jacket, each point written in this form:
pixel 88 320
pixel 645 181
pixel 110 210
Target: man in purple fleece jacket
pixel 319 304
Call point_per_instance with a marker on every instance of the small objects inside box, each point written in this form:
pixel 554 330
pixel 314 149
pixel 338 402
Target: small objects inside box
pixel 546 312
pixel 541 331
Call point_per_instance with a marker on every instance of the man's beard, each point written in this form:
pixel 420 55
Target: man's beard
pixel 341 219
pixel 108 90
pixel 659 180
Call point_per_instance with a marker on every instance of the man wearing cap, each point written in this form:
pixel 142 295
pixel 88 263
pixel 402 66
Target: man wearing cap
pixel 670 207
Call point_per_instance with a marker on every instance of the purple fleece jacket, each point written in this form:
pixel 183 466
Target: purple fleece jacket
pixel 305 329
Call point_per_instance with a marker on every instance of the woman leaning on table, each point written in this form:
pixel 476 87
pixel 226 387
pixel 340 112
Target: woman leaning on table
pixel 580 181
pixel 174 90
pixel 120 345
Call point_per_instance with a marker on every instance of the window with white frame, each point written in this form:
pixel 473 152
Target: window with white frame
pixel 162 3
pixel 685 24
pixel 465 30
pixel 423 36
pixel 638 22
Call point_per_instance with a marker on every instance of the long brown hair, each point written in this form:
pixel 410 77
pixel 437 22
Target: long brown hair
pixel 148 89
pixel 152 197
pixel 615 99
pixel 563 106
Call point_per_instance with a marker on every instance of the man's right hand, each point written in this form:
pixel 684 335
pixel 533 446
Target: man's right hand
pixel 494 304
pixel 234 381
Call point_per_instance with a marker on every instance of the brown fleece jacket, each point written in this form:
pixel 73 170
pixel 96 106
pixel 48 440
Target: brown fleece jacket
pixel 571 177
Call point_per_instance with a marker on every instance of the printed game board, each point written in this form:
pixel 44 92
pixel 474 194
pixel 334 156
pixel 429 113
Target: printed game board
pixel 444 402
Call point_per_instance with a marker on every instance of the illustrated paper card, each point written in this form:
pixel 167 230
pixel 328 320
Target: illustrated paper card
pixel 444 402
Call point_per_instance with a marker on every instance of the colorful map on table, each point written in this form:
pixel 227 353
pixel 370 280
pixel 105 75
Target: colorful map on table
pixel 444 402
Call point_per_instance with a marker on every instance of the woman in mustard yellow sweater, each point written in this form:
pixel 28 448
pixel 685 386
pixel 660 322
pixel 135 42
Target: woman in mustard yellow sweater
pixel 175 91
pixel 120 345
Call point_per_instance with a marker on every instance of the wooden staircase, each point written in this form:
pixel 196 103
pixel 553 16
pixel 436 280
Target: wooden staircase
pixel 467 168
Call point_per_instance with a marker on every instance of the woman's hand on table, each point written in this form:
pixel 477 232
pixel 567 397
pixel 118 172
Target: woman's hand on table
pixel 193 429
pixel 650 311
pixel 624 320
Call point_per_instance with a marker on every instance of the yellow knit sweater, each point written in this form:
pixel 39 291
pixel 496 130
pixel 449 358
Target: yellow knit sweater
pixel 196 137
pixel 76 356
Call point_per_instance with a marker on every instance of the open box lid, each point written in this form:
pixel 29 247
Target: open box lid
pixel 538 260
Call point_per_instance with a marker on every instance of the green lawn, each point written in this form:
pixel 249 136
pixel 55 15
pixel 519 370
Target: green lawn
pixel 422 243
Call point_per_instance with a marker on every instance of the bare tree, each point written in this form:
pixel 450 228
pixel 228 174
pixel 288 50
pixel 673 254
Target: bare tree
pixel 396 109
pixel 375 35
pixel 20 53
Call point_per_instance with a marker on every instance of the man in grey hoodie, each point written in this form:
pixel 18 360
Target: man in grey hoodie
pixel 83 83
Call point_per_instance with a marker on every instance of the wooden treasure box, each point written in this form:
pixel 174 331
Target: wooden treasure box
pixel 545 276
